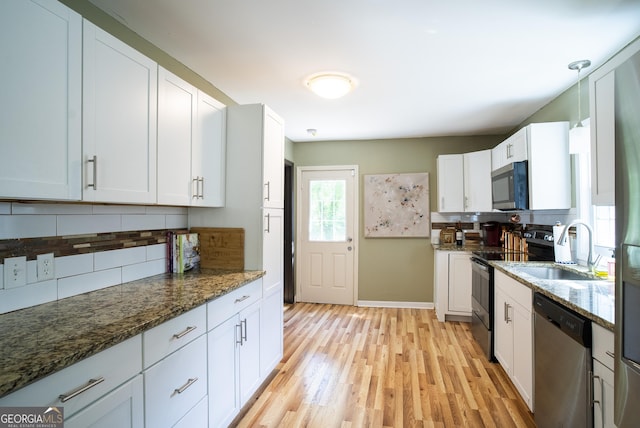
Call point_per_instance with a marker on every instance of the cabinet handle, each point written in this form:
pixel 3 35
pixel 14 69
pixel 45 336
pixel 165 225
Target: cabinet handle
pixel 611 354
pixel 194 188
pixel 94 160
pixel 90 384
pixel 268 186
pixel 241 299
pixel 243 331
pixel 268 217
pixel 201 187
pixel 466 202
pixel 190 382
pixel 239 336
pixel 442 202
pixel 184 332
pixel 506 313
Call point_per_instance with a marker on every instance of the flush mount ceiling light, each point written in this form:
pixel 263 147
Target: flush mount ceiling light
pixel 578 135
pixel 330 85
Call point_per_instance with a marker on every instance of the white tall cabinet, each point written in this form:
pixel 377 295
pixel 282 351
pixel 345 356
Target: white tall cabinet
pixel 119 95
pixel 254 201
pixel 40 111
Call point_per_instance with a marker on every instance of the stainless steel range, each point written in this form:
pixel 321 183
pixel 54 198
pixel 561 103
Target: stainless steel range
pixel 540 244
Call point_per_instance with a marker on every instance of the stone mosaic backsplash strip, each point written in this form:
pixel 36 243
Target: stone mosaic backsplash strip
pixel 79 244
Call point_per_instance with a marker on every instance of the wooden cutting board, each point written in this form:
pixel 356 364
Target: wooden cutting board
pixel 221 247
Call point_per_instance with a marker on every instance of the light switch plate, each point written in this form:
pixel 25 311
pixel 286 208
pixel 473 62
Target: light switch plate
pixel 15 272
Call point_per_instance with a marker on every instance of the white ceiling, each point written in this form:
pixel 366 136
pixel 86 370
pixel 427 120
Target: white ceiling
pixel 424 67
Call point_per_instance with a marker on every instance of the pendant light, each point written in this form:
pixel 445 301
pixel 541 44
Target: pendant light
pixel 579 135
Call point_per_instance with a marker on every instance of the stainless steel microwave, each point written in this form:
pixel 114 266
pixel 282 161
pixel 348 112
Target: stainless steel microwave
pixel 509 187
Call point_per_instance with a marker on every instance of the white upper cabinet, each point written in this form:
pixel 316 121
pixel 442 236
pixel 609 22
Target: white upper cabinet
pixel 602 104
pixel 513 149
pixel 464 182
pixel 208 153
pixel 40 111
pixel 450 183
pixel 176 115
pixel 477 181
pixel 119 120
pixel 191 144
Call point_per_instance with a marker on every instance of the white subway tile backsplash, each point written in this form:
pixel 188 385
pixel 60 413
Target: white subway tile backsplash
pixel 143 270
pixel 118 209
pixel 73 265
pixel 117 258
pixel 158 251
pixel 5 208
pixel 167 210
pixel 29 295
pixel 82 224
pixel 18 208
pixel 143 222
pixel 177 221
pixel 27 226
pixel 79 284
pixel 1 277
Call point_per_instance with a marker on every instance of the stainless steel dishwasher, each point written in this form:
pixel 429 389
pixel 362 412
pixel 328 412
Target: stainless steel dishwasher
pixel 562 347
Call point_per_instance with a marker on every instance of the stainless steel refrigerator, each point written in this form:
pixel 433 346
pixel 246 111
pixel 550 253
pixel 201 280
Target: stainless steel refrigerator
pixel 627 155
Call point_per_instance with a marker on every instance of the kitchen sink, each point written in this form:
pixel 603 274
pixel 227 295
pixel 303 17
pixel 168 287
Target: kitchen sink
pixel 554 272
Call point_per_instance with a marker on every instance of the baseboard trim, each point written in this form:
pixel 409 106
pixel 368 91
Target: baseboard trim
pixel 385 304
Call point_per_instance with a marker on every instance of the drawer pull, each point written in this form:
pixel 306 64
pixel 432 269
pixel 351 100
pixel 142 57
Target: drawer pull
pixel 611 354
pixel 185 386
pixel 242 299
pixel 184 332
pixel 92 382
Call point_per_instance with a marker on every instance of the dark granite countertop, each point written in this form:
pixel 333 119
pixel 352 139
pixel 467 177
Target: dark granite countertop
pixel 594 299
pixel 43 339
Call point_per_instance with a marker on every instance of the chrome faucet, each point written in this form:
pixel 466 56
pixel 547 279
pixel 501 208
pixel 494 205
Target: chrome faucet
pixel 563 240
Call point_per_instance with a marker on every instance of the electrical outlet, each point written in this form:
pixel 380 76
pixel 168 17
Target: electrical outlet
pixel 15 272
pixel 46 268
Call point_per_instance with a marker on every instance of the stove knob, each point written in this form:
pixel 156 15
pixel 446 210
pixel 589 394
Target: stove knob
pixel 527 235
pixel 548 237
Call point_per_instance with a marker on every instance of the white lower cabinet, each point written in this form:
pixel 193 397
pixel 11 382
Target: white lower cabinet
pixel 123 408
pixel 513 345
pixel 174 385
pixel 452 280
pixel 234 344
pixel 603 363
pixel 271 331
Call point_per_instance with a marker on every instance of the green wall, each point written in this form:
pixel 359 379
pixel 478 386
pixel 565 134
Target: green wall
pixel 392 269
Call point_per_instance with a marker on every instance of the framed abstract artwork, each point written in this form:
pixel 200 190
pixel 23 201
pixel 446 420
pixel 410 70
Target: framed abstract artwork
pixel 396 205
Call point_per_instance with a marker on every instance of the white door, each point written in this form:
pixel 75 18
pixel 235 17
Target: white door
pixel 327 234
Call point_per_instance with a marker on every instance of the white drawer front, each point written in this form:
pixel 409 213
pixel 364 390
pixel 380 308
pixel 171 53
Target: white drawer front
pixel 197 417
pixel 170 336
pixel 222 308
pixel 115 365
pixel 176 384
pixel 603 345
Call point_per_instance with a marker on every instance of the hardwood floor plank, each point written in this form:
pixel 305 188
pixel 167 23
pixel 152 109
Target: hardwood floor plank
pixel 379 367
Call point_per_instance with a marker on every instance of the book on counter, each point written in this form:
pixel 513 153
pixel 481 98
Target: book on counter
pixel 183 251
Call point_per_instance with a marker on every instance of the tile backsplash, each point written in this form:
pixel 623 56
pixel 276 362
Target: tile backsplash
pixel 94 246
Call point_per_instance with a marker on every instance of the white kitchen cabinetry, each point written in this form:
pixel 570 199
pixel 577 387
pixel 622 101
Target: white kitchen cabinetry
pixel 121 408
pixel 234 342
pixel 464 182
pixel 450 183
pixel 41 103
pixel 119 120
pixel 513 149
pixel 477 181
pixel 175 384
pixel 191 143
pixel 603 390
pixel 546 148
pixel 513 345
pixel 603 132
pixel 84 382
pixel 452 278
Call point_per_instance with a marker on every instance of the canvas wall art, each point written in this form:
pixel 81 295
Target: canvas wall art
pixel 396 205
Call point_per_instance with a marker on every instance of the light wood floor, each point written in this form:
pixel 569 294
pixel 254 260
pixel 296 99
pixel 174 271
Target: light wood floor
pixel 374 367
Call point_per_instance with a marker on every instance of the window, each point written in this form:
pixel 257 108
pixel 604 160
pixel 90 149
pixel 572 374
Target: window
pixel 604 226
pixel 327 210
